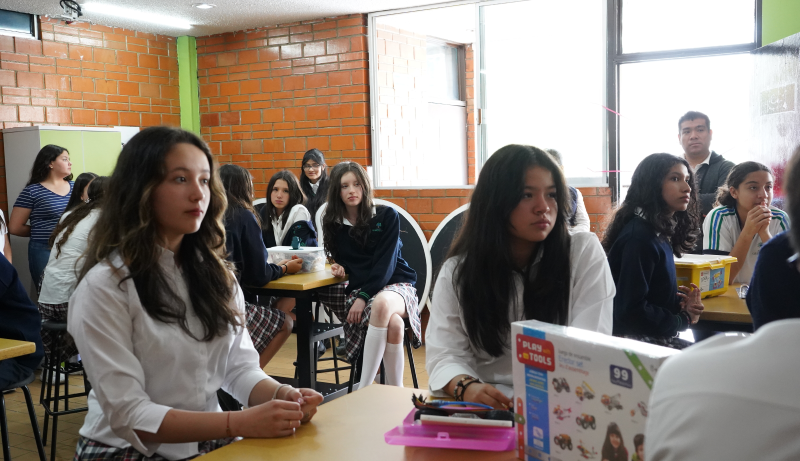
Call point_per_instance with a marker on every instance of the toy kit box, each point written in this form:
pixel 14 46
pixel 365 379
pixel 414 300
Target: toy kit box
pixel 709 272
pixel 313 257
pixel 577 390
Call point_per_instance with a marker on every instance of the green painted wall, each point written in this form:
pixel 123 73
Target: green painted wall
pixel 779 19
pixel 187 78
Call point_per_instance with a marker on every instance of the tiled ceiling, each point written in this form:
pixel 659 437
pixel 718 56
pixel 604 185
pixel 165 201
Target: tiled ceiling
pixel 227 16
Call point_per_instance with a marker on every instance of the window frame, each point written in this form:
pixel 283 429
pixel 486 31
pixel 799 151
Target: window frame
pixel 35 27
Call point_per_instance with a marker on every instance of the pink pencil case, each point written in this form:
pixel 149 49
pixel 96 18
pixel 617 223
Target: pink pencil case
pixel 414 434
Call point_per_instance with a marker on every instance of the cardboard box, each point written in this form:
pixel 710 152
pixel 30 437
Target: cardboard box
pixel 571 384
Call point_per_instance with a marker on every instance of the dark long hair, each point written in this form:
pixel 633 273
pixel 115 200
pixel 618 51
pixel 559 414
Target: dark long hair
pixel 608 450
pixel 96 194
pixel 314 201
pixel 238 186
pixel 296 197
pixel 81 182
pixel 484 279
pixel 735 178
pixel 791 184
pixel 646 194
pixel 336 209
pixel 128 227
pixel 41 165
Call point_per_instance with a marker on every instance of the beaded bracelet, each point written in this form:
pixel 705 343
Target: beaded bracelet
pixel 461 387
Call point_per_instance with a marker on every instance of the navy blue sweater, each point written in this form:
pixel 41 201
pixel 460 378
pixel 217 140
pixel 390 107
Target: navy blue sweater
pixel 246 250
pixel 643 268
pixel 19 316
pixel 379 263
pixel 775 288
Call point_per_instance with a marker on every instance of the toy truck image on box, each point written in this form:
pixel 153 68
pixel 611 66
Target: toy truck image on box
pixel 548 357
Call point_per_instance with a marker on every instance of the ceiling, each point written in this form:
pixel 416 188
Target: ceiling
pixel 228 16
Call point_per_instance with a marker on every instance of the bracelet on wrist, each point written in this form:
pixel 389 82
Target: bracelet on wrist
pixel 461 386
pixel 275 394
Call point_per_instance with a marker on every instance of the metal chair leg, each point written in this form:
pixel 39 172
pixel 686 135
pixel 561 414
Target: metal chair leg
pixel 4 428
pixel 34 424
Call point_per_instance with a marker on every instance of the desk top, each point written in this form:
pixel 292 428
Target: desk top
pixel 302 282
pixel 351 428
pixel 727 307
pixel 10 348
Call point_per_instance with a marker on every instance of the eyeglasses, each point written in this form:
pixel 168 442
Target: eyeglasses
pixel 310 166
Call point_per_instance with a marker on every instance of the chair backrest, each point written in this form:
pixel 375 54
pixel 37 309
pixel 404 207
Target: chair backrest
pixel 259 201
pixel 441 240
pixel 415 249
pixel 318 222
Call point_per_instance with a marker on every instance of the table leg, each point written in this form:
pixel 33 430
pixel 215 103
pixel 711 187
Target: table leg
pixel 306 354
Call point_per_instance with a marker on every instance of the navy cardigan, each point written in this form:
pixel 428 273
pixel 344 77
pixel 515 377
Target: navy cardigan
pixel 775 288
pixel 246 249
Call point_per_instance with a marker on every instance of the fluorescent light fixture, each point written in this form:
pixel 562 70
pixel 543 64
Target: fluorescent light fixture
pixel 137 15
pixel 203 6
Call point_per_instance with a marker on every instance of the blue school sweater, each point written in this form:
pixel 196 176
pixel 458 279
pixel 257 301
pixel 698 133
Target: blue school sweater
pixel 775 288
pixel 643 268
pixel 379 263
pixel 19 316
pixel 246 249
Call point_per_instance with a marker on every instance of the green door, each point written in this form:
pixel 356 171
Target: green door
pixel 100 151
pixel 68 139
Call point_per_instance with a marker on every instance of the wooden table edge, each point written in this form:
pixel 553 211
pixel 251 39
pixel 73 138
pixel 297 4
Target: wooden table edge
pixel 16 350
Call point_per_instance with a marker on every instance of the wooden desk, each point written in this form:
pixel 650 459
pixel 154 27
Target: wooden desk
pixel 351 428
pixel 10 348
pixel 726 312
pixel 302 287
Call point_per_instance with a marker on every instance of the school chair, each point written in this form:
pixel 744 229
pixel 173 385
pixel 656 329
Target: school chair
pixel 31 414
pixel 55 367
pixel 417 254
pixel 440 243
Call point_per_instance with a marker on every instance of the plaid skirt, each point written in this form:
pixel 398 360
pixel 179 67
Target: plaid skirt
pixel 89 450
pixel 340 303
pixel 263 323
pixel 673 342
pixel 58 313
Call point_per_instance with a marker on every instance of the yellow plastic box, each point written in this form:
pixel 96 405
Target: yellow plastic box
pixel 709 272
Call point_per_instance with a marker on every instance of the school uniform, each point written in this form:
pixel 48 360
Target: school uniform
pixel 721 230
pixel 298 224
pixel 316 195
pixel 247 252
pixel 378 266
pixel 61 277
pixel 774 292
pixel 448 347
pixel 647 306
pixel 140 368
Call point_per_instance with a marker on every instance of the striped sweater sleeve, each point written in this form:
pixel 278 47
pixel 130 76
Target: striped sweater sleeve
pixel 716 235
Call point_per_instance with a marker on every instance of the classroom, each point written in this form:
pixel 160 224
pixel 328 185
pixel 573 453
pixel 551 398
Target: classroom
pixel 481 206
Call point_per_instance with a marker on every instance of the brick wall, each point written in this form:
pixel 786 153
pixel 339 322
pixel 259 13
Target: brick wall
pixel 84 75
pixel 267 95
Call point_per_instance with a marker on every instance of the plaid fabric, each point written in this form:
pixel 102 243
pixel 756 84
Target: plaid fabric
pixel 58 313
pixel 673 342
pixel 89 450
pixel 263 323
pixel 334 297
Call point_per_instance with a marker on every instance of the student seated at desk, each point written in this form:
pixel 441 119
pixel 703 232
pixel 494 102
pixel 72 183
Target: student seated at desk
pixel 268 326
pixel 284 216
pixel 159 318
pixel 775 288
pixel 69 241
pixel 364 240
pixel 658 219
pixel 743 219
pixel 514 259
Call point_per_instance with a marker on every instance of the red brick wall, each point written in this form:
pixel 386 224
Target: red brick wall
pixel 86 75
pixel 267 95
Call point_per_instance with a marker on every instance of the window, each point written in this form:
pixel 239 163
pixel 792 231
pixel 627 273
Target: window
pixel 18 24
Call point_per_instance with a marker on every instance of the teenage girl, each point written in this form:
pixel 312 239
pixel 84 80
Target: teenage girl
pixel 514 259
pixel 314 180
pixel 80 190
pixel 269 328
pixel 365 243
pixel 69 240
pixel 283 216
pixel 159 318
pixel 614 447
pixel 658 220
pixel 744 218
pixel 43 200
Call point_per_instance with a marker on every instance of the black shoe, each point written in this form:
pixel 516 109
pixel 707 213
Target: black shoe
pixel 341 351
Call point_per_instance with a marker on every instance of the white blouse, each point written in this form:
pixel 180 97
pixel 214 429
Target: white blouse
pixel 297 213
pixel 448 348
pixel 140 367
pixel 60 275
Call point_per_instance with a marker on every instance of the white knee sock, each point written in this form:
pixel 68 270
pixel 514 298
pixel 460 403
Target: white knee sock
pixel 394 364
pixel 374 345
